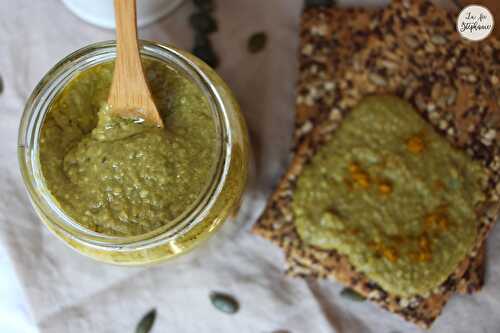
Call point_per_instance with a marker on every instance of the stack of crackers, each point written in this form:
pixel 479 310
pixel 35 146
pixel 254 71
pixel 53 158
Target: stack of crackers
pixel 410 49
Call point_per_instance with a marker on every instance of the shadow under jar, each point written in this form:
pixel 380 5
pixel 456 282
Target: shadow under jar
pixel 218 199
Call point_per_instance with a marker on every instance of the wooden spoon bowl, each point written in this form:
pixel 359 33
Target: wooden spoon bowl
pixel 130 96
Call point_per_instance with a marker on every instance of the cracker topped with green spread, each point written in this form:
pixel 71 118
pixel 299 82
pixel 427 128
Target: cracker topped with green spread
pixel 410 50
pixel 391 195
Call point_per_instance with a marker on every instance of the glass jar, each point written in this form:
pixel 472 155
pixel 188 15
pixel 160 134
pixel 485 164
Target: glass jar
pixel 220 200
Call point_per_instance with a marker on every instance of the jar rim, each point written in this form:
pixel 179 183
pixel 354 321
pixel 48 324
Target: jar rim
pixel 38 105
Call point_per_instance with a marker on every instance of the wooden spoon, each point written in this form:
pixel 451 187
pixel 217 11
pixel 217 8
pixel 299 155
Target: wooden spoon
pixel 130 96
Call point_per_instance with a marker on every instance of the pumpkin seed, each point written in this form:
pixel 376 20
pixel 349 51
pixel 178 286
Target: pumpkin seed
pixel 203 22
pixel 1 85
pixel 201 39
pixel 224 302
pixel 205 5
pixel 257 42
pixel 146 323
pixel 313 3
pixel 352 295
pixel 207 54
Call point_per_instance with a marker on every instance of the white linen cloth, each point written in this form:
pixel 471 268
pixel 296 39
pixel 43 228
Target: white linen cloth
pixel 71 293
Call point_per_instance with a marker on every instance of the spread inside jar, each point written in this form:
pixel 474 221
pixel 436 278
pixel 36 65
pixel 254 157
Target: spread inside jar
pixel 123 177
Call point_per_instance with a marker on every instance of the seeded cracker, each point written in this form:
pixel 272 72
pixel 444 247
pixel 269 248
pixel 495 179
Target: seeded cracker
pixel 413 51
pixel 316 92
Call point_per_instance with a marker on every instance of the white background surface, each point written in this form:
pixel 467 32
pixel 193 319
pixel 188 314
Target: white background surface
pixel 101 13
pixel 69 293
pixel 14 312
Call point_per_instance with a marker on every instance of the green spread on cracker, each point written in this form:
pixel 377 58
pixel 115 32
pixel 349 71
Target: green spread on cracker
pixel 393 196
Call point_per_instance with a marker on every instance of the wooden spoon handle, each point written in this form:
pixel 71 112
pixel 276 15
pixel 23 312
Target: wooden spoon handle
pixel 126 32
pixel 129 89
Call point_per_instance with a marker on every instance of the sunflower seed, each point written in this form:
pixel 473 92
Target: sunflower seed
pixel 224 302
pixel 452 97
pixel 146 323
pixel 411 41
pixel 1 85
pixel 438 39
pixel 377 79
pixel 471 78
pixel 429 47
pixel 465 70
pixel 420 102
pixel 388 64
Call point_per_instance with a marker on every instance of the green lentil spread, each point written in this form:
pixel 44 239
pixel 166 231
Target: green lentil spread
pixel 393 196
pixel 120 176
